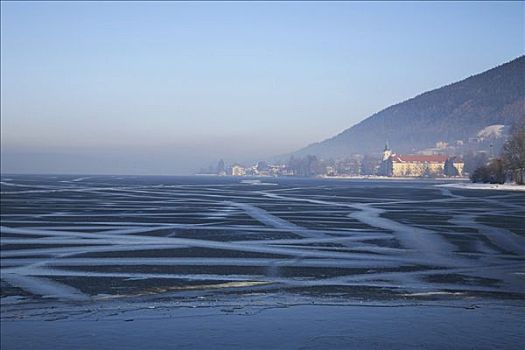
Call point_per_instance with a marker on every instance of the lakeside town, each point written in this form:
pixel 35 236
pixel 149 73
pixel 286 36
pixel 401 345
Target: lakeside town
pixel 494 156
pixel 475 158
pixel 311 166
pixel 390 165
pixel 437 162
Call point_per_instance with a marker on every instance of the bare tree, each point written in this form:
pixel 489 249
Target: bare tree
pixel 513 155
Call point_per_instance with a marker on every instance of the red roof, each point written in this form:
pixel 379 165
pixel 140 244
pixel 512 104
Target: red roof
pixel 419 158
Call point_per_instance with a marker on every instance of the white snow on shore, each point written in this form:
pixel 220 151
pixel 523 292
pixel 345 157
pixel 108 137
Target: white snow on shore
pixel 477 186
pixel 394 178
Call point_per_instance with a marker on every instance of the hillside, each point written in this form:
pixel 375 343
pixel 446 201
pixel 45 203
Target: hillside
pixel 454 112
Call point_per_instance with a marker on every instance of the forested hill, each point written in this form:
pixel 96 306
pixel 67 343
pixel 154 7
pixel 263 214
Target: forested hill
pixel 454 112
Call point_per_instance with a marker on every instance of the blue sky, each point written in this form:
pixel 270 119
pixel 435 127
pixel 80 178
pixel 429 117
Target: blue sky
pixel 168 87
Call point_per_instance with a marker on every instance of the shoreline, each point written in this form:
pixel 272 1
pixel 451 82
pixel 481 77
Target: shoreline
pixel 483 325
pixel 483 186
pixel 392 178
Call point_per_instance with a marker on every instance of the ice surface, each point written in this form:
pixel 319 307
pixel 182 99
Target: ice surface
pixel 351 238
pixel 109 262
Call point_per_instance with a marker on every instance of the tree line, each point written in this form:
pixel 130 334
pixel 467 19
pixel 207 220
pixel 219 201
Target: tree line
pixel 510 165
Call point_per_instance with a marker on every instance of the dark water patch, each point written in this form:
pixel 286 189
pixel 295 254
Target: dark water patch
pixel 389 243
pixel 462 280
pixel 14 235
pixel 115 286
pixel 465 243
pixel 512 223
pixel 232 235
pixel 452 228
pixel 173 269
pixel 8 290
pixel 416 218
pixel 7 247
pixel 183 252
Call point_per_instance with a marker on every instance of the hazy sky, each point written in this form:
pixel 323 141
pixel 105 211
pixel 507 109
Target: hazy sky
pixel 168 87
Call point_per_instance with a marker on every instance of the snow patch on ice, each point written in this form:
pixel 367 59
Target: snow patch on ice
pixel 44 287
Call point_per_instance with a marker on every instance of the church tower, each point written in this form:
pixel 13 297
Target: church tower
pixel 386 163
pixel 386 152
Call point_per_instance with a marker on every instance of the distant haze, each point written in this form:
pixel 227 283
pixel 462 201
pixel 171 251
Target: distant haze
pixel 170 87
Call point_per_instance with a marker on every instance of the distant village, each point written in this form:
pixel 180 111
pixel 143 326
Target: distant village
pixel 434 163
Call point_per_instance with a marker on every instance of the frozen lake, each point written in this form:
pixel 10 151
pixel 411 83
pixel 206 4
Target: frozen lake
pixel 93 249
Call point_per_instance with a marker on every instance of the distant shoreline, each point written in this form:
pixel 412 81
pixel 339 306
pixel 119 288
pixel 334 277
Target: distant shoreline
pixel 480 186
pixel 394 178
pixel 356 177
